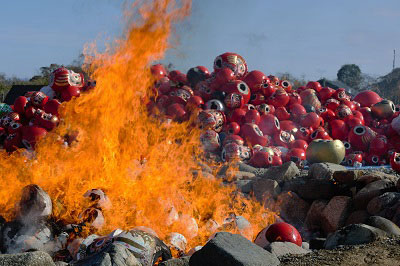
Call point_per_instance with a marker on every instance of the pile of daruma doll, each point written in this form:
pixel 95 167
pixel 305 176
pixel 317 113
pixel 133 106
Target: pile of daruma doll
pixel 34 114
pixel 264 121
pixel 244 116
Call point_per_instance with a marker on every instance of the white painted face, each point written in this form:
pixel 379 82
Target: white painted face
pixel 74 79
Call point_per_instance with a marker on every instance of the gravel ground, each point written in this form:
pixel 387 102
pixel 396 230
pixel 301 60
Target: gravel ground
pixel 381 252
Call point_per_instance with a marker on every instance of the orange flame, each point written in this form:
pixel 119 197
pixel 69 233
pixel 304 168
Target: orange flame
pixel 144 166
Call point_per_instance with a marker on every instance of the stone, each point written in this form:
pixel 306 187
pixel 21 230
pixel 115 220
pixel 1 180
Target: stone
pixel 353 234
pixel 182 261
pixel 305 245
pixel 280 249
pixel 384 224
pixel 375 176
pixel 114 255
pixel 244 186
pixel 370 191
pixel 335 213
pixel 384 205
pixel 316 189
pixel 357 217
pixel 286 171
pixel 260 172
pixel 294 184
pixel 314 215
pixel 348 177
pixel 324 170
pixel 241 175
pixel 317 243
pixel 61 263
pixel 36 258
pixel 246 168
pixel 396 217
pixel 232 249
pixel 265 187
pixel 292 208
pixel 17 236
pixel 398 185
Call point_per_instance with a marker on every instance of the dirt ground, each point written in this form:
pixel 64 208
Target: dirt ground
pixel 381 252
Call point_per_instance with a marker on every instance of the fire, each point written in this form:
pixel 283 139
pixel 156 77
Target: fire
pixel 143 165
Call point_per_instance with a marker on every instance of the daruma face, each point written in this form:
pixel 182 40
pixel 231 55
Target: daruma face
pixel 330 151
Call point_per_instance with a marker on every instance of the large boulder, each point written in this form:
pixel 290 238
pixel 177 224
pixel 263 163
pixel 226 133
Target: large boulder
pixel 37 258
pixel 314 215
pixel 335 213
pixel 324 170
pixel 292 208
pixel 384 224
pixel 348 177
pixel 285 172
pixel 114 255
pixel 371 191
pixel 231 249
pixel 264 187
pixel 353 234
pixel 280 249
pixel 384 205
pixel 316 189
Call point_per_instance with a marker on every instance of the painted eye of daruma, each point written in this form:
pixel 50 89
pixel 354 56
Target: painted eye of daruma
pixel 243 88
pixel 277 124
pixel 218 63
pixel 359 130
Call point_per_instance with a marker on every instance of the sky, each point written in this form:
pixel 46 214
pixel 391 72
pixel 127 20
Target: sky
pixel 306 38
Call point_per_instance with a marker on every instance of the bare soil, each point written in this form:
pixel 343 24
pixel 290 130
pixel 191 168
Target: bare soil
pixel 384 251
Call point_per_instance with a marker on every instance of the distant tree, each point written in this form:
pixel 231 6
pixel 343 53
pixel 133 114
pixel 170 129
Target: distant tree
pixel 350 74
pixel 388 86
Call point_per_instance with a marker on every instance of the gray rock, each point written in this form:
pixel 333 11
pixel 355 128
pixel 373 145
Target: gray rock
pixel 314 215
pixel 396 217
pixel 280 249
pixel 244 186
pixel 183 261
pixel 294 184
pixel 375 176
pixel 247 168
pixel 316 189
pixel 265 187
pixel 286 171
pixel 324 170
pixel 231 249
pixel 371 191
pixel 354 234
pixel 61 263
pixel 357 217
pixel 311 189
pixel 335 213
pixel 384 205
pixel 305 245
pixel 241 175
pixel 348 177
pixel 398 185
pixel 261 172
pixel 384 224
pixel 37 258
pixel 292 208
pixel 114 255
